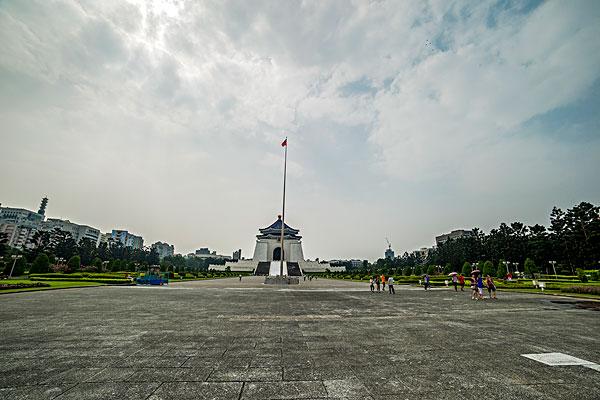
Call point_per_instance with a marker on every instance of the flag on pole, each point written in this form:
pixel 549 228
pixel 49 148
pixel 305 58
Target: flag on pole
pixel 284 143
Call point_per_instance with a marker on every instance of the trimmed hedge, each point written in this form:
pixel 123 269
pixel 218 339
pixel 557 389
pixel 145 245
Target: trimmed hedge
pixel 105 281
pixel 4 286
pixel 594 290
pixel 80 275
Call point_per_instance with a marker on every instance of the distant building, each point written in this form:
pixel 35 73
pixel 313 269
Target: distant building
pixel 389 253
pixel 455 234
pixel 423 253
pixel 237 255
pixel 19 224
pixel 203 251
pixel 105 237
pixel 77 231
pixel 164 249
pixel 128 239
pixel 356 263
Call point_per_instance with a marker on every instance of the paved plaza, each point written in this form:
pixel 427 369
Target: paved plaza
pixel 226 339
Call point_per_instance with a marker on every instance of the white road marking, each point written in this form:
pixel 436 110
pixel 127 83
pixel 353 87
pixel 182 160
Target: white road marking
pixel 561 359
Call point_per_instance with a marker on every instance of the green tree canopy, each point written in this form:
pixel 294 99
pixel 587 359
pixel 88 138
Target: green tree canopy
pixel 41 264
pixel 74 263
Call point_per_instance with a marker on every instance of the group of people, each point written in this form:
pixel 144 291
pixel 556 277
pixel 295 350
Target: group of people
pixel 379 282
pixel 477 285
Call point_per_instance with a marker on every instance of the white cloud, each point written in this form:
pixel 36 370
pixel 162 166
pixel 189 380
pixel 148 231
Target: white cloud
pixel 182 105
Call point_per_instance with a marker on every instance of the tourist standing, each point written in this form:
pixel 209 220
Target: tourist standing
pixel 461 280
pixel 455 282
pixel 372 285
pixel 383 282
pixel 391 285
pixel 491 287
pixel 480 287
pixel 378 284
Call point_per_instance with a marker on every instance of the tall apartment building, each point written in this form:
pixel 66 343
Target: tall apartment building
pixel 164 249
pixel 77 231
pixel 19 224
pixel 128 239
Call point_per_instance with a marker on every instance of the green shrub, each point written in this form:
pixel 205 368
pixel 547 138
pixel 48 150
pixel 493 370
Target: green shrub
pixel 40 264
pixel 488 268
pixel 466 269
pixel 594 290
pixel 74 263
pixel 501 270
pixel 595 276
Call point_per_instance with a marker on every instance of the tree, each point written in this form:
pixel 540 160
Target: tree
pixel 407 271
pixel 41 264
pixel 74 263
pixel 87 250
pixel 97 262
pixel 488 268
pixel 431 270
pixel 418 270
pixel 466 269
pixel 501 270
pixel 448 268
pixel 530 267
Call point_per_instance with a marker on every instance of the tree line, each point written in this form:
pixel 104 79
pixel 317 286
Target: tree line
pixel 572 241
pixel 57 250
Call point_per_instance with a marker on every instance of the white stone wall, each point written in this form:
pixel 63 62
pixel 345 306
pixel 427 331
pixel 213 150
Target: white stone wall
pixel 240 266
pixel 312 266
pixel 260 251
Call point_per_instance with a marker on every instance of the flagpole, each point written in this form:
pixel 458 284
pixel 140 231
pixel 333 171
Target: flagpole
pixel 283 209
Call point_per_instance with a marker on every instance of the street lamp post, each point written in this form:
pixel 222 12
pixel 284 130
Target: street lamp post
pixel 554 268
pixel 15 258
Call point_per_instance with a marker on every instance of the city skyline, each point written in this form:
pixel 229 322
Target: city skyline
pixel 404 120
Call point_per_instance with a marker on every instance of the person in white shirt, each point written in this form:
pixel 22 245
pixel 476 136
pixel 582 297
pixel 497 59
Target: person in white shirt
pixel 391 286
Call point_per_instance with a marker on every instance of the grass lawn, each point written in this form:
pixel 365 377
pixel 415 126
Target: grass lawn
pixel 53 285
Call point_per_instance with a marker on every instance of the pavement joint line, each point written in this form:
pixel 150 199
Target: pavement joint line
pixel 241 391
pixel 154 391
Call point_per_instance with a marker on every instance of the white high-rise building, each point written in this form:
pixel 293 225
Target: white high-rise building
pixel 19 224
pixel 128 239
pixel 77 231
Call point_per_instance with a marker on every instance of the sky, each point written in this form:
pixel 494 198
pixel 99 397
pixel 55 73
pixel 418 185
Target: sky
pixel 405 119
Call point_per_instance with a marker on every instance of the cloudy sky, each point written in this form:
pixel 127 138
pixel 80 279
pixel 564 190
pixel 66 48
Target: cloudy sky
pixel 405 119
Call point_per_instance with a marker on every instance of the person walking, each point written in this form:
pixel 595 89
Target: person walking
pixel 491 287
pixel 474 287
pixel 427 285
pixel 240 278
pixel 371 285
pixel 378 284
pixel 461 280
pixel 391 285
pixel 382 282
pixel 455 282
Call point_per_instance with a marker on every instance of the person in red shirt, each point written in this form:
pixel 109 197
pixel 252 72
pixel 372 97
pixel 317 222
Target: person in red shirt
pixel 461 280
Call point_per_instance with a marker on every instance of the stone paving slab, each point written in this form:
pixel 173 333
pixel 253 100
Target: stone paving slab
pixel 226 339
